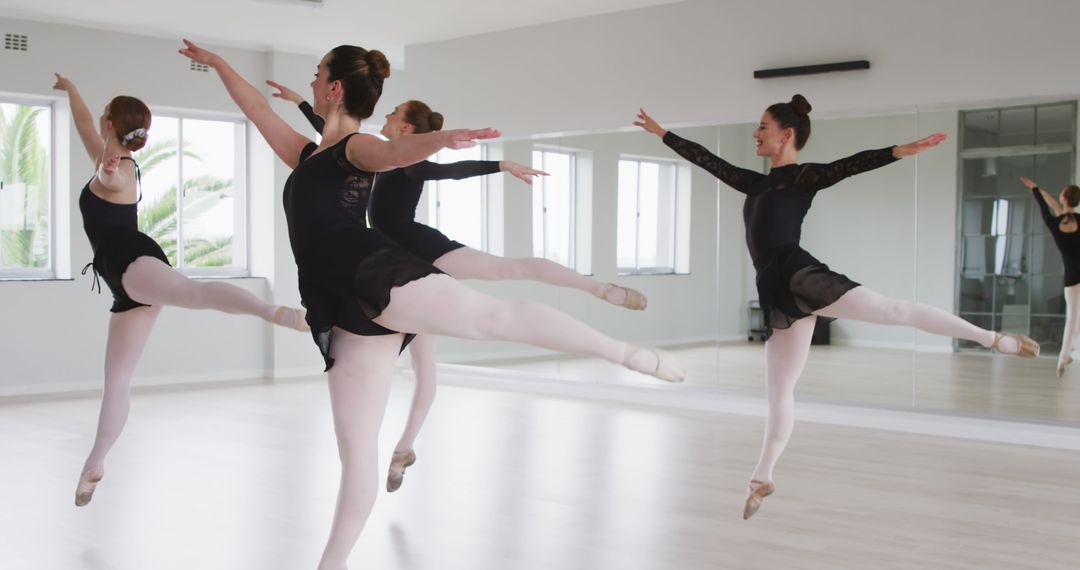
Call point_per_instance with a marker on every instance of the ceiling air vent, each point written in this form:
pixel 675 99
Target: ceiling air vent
pixel 200 67
pixel 16 42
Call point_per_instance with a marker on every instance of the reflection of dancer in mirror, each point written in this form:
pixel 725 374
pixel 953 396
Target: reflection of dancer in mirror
pixel 794 287
pixel 393 211
pixel 361 288
pixel 1062 222
pixel 133 265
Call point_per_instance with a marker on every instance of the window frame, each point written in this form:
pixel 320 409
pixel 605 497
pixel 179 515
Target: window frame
pixel 676 222
pixel 50 271
pixel 573 258
pixel 241 190
pixel 435 198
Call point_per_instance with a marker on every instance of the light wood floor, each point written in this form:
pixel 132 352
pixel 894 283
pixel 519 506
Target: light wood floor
pixel 245 478
pixel 968 383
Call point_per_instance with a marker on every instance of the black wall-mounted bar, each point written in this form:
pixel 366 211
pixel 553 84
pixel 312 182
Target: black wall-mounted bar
pixel 811 69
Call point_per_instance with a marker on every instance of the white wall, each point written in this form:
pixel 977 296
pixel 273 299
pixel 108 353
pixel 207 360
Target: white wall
pixel 52 333
pixel 693 62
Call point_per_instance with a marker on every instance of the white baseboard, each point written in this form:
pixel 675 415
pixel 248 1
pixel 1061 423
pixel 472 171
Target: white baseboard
pixel 297 372
pixel 167 380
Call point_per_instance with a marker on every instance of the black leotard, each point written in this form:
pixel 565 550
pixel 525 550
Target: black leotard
pixel 396 194
pixel 113 231
pixel 1067 243
pixel 346 270
pixel 393 203
pixel 791 283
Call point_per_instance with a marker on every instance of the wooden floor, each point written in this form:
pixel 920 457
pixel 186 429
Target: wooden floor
pixel 967 383
pixel 245 478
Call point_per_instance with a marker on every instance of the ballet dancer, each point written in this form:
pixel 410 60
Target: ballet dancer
pixel 793 287
pixel 361 289
pixel 1060 219
pixel 392 210
pixel 133 265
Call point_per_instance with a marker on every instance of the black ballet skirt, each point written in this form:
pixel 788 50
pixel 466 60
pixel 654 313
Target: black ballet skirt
pixel 113 231
pixel 791 282
pixel 346 270
pixel 1068 243
pixel 397 193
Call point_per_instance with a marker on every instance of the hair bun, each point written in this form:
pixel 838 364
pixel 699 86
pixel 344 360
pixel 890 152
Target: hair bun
pixel 435 121
pixel 378 66
pixel 800 105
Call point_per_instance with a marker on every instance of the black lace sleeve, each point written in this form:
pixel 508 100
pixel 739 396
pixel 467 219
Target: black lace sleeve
pixel 740 179
pixel 428 170
pixel 820 176
pixel 315 120
pixel 1048 217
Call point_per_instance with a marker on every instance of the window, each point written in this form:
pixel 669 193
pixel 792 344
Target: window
pixel 458 208
pixel 554 207
pixel 202 227
pixel 26 238
pixel 647 217
pixel 1009 273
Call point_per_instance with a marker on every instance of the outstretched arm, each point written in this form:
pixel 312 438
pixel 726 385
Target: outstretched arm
pixel 428 170
pixel 1046 201
pixel 740 179
pixel 819 176
pixel 286 142
pixel 370 153
pixel 83 118
pixel 293 97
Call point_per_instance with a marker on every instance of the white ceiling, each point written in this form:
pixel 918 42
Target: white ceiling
pixel 293 26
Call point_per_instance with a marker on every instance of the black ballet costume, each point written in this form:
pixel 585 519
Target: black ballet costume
pixel 346 269
pixel 1067 243
pixel 397 193
pixel 392 208
pixel 113 231
pixel 791 283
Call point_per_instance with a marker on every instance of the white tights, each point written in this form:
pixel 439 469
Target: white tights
pixel 1072 321
pixel 433 305
pixel 150 281
pixel 787 350
pixel 468 263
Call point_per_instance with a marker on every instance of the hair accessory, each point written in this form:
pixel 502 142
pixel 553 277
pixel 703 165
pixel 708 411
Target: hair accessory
pixel 139 132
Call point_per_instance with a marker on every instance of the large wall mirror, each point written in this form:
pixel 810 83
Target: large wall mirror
pixel 952 227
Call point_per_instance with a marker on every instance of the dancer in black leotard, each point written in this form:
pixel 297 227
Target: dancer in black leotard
pixel 794 287
pixel 360 288
pixel 393 211
pixel 1061 220
pixel 133 265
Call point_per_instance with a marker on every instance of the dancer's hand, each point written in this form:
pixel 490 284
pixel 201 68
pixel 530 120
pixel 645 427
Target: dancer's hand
pixel 284 92
pixel 1028 182
pixel 466 138
pixel 900 151
pixel 520 171
pixel 109 165
pixel 199 55
pixel 63 83
pixel 649 124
